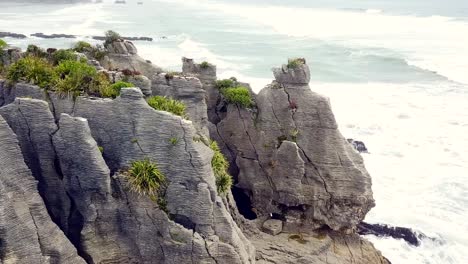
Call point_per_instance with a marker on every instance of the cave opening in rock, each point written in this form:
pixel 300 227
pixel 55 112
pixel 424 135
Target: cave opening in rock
pixel 243 203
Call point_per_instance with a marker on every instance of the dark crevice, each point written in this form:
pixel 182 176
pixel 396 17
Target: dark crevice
pixel 75 225
pixel 183 220
pixel 244 205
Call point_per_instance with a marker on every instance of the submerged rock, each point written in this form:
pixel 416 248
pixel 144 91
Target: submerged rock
pixel 358 145
pixel 381 230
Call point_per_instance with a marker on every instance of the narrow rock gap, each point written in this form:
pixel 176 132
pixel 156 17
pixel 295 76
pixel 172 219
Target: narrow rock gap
pixel 243 202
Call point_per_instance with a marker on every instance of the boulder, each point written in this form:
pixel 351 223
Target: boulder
pixel 273 226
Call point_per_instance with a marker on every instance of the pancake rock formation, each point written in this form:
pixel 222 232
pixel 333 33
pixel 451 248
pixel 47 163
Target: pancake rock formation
pixel 66 197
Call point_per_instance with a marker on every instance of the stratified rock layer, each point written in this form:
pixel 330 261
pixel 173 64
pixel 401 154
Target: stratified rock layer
pixel 27 234
pixel 292 159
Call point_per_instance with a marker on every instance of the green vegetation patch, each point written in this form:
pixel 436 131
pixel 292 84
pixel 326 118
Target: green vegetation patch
pixel 3 44
pixel 73 77
pixel 220 168
pixel 145 178
pixel 32 69
pixel 36 51
pixel 205 65
pixel 63 55
pixel 111 36
pixel 295 63
pixel 82 46
pixel 239 95
pixel 113 90
pixel 163 103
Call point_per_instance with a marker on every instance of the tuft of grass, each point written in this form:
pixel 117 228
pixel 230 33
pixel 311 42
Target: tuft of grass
pixel 101 149
pixel 163 103
pixel 3 44
pixel 205 65
pixel 63 55
pixel 82 46
pixel 295 63
pixel 174 140
pixel 145 178
pixel 220 167
pixel 31 69
pixel 113 90
pixel 293 134
pixel 239 95
pixel 111 36
pixel 224 84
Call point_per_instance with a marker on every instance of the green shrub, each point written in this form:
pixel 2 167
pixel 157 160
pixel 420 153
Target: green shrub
pixel 174 140
pixel 224 84
pixel 63 55
pixel 82 46
pixel 220 168
pixel 239 95
pixel 100 86
pixel 163 103
pixel 36 51
pixel 3 44
pixel 33 70
pixel 101 149
pixel 204 65
pixel 111 36
pixel 146 179
pixel 295 63
pixel 114 89
pixel 74 77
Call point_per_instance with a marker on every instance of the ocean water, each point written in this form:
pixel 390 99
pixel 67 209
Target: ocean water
pixel 396 73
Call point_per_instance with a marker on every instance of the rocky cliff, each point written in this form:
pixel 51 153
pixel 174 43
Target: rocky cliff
pixel 65 193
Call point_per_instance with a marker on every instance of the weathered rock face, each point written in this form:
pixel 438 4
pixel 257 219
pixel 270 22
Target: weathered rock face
pixel 292 159
pixel 9 56
pixel 188 90
pixel 123 55
pixel 207 76
pixel 107 222
pixel 27 234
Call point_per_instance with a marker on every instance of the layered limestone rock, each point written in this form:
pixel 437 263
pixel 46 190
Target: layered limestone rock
pixel 9 55
pixel 292 159
pixel 109 223
pixel 27 234
pixel 122 54
pixel 188 90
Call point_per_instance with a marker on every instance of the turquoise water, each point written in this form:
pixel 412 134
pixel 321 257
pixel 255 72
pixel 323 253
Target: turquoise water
pixel 395 72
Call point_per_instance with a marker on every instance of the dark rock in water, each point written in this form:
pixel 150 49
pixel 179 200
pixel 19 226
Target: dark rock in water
pixel 126 38
pixel 382 230
pixel 358 145
pixel 12 35
pixel 42 35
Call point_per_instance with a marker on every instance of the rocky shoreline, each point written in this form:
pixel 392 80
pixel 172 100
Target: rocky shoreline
pixel 67 158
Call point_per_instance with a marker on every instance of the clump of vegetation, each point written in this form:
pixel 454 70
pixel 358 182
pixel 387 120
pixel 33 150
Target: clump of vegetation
pixel 205 65
pixel 239 95
pixel 145 178
pixel 63 55
pixel 100 86
pixel 224 84
pixel 34 50
pixel 111 36
pixel 74 77
pixel 174 140
pixel 293 134
pixel 101 149
pixel 113 90
pixel 82 46
pixel 163 103
pixel 220 168
pixel 295 63
pixel 33 70
pixel 3 44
